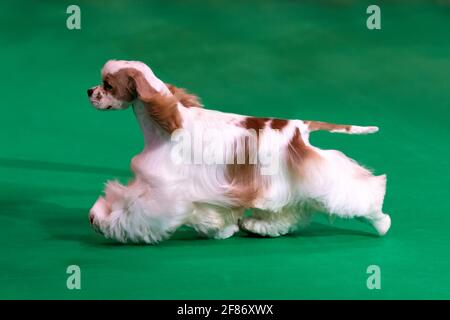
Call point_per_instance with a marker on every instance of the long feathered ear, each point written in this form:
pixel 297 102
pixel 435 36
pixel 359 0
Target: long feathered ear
pixel 186 98
pixel 162 108
pixel 144 90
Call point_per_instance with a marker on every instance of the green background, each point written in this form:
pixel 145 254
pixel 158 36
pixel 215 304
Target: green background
pixel 299 60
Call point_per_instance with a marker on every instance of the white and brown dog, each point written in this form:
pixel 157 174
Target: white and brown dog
pixel 173 187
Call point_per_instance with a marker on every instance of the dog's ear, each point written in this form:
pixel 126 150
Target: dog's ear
pixel 186 98
pixel 162 108
pixel 144 91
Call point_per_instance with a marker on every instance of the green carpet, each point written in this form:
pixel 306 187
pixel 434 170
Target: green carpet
pixel 287 59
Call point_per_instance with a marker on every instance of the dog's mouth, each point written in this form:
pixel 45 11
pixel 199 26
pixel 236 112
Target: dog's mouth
pixel 97 105
pixel 94 102
pixel 105 108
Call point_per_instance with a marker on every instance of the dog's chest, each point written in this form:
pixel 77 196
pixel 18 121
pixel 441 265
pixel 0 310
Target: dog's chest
pixel 137 164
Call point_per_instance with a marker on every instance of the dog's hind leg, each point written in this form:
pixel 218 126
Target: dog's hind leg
pixel 380 221
pixel 346 189
pixel 374 214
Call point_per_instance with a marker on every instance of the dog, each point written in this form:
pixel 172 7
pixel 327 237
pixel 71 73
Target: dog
pixel 211 197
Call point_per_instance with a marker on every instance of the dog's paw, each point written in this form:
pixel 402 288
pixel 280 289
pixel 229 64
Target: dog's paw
pixel 382 224
pixel 226 232
pixel 262 228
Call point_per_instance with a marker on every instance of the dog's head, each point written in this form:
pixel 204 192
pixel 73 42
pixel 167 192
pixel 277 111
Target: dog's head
pixel 122 83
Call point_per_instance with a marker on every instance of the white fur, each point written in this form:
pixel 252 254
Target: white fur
pixel 165 195
pixel 357 130
pixel 113 66
pixel 103 100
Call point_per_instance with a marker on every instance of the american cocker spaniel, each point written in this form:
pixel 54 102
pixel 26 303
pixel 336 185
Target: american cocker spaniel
pixel 203 168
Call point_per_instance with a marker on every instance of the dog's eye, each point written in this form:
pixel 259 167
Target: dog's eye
pixel 107 86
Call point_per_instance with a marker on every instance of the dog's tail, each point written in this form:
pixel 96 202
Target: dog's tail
pixel 340 128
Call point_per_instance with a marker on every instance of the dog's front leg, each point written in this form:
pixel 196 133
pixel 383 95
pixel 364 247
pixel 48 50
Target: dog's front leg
pixel 138 213
pixel 214 221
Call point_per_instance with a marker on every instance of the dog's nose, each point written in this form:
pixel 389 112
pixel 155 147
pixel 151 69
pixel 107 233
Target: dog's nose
pixel 89 92
pixel 91 218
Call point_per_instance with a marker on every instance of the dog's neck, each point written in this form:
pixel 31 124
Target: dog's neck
pixel 154 135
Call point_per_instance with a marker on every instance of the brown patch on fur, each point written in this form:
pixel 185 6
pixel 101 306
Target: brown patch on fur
pixel 245 179
pixel 243 175
pixel 278 124
pixel 129 84
pixel 254 123
pixel 247 183
pixel 163 109
pixel 244 182
pixel 297 148
pixel 260 123
pixel 318 125
pixel 298 153
pixel 123 87
pixel 186 98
